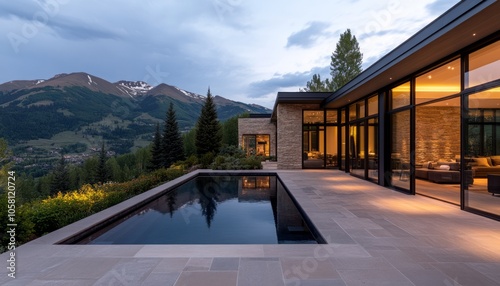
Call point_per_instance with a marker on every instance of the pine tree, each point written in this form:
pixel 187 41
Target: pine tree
pixel 172 147
pixel 156 151
pixel 345 65
pixel 208 134
pixel 317 85
pixel 346 60
pixel 101 172
pixel 60 178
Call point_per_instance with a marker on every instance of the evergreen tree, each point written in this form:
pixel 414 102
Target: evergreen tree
pixel 60 178
pixel 4 164
pixel 101 172
pixel 189 142
pixel 172 147
pixel 156 151
pixel 208 134
pixel 317 85
pixel 345 65
pixel 346 60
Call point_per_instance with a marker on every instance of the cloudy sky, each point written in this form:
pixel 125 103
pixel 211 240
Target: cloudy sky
pixel 244 50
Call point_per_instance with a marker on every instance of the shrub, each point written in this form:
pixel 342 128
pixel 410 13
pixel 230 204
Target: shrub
pixel 206 159
pixel 237 163
pixel 40 217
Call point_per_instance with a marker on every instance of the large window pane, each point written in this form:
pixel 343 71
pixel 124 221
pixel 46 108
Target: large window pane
pixel 331 146
pixel 400 150
pixel 440 82
pixel 313 116
pixel 484 65
pixel 373 149
pixel 353 114
pixel 313 147
pixel 373 105
pixel 331 116
pixel 361 109
pixel 400 96
pixel 343 148
pixel 357 149
pixel 482 152
pixel 437 148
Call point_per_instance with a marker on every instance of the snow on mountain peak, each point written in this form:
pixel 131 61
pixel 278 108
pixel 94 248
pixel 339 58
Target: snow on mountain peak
pixel 134 88
pixel 190 94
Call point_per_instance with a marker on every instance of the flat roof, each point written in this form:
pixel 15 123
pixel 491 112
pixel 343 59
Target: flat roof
pixel 259 115
pixel 462 25
pixel 299 97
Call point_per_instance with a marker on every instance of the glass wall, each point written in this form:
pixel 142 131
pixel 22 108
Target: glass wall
pixel 357 149
pixel 320 139
pixel 484 65
pixel 437 150
pixel 400 150
pixel 483 151
pixel 363 139
pixel 256 144
pixel 373 149
pixel 400 96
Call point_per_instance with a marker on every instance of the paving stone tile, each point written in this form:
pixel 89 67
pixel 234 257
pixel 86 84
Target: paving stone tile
pixel 59 283
pixel 82 268
pixel 315 282
pixel 490 270
pixel 346 263
pixel 225 264
pixel 129 272
pixel 212 278
pixel 254 272
pixel 374 277
pixel 303 268
pixel 163 279
pixel 463 274
pixel 167 265
pixel 198 264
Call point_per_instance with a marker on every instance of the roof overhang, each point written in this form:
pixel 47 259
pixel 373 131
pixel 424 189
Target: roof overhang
pixel 459 27
pixel 298 98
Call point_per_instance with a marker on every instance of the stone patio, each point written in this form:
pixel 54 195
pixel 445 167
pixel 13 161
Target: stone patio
pixel 376 237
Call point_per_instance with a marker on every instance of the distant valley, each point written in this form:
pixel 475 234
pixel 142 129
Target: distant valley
pixel 70 113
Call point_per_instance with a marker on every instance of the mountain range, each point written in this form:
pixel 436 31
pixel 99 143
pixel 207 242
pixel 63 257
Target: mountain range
pixel 87 106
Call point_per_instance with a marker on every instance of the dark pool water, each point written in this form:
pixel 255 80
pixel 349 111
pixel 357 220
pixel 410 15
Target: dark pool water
pixel 213 210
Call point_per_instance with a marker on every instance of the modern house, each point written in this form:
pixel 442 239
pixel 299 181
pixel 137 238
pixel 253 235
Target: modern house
pixel 424 119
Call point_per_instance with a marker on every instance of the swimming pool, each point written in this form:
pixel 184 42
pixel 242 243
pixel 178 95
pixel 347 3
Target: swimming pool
pixel 213 209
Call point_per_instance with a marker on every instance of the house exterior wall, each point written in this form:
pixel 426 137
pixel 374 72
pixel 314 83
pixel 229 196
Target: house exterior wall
pixel 289 118
pixel 257 126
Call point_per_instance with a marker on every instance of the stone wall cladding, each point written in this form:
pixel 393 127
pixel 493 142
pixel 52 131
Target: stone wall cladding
pixel 256 126
pixel 290 134
pixel 437 133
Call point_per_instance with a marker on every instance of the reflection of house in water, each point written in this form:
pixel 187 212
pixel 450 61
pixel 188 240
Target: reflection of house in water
pixel 257 188
pixel 289 223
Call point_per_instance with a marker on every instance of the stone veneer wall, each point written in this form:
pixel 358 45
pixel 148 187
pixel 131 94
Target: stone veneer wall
pixel 437 133
pixel 290 134
pixel 258 126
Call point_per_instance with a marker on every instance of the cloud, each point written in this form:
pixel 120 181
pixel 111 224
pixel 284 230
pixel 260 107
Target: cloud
pixel 307 37
pixel 440 6
pixel 282 81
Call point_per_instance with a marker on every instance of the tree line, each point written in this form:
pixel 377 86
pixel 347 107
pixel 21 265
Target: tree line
pixel 201 144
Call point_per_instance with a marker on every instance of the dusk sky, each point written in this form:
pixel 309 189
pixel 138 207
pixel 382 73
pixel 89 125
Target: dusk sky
pixel 244 50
